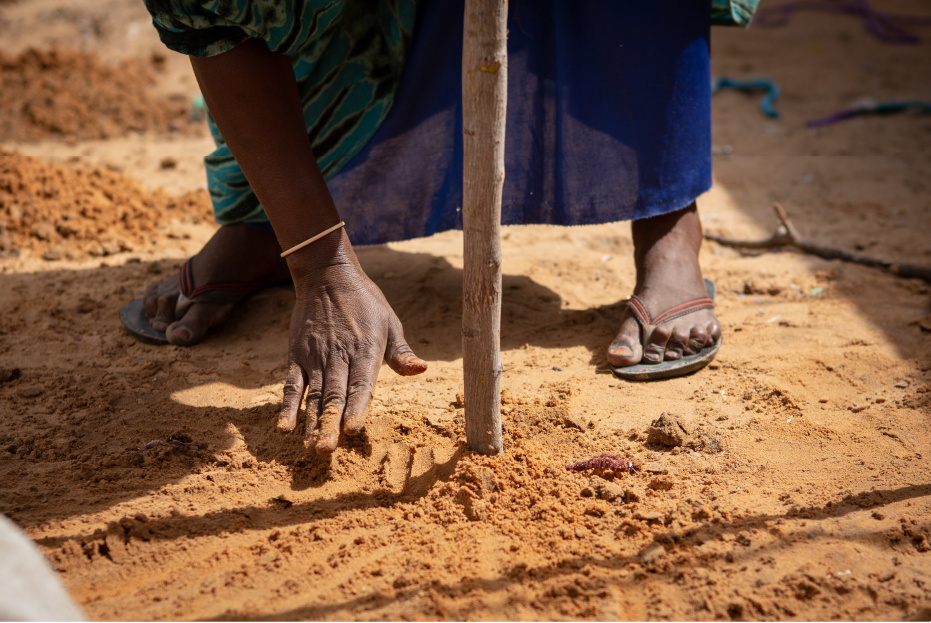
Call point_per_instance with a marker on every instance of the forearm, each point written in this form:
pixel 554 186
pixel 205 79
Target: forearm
pixel 342 327
pixel 252 95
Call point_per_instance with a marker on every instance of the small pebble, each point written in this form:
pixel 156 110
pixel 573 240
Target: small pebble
pixel 655 468
pixel 29 391
pixel 652 553
pixel 557 368
pixel 902 384
pixel 109 248
pixel 648 516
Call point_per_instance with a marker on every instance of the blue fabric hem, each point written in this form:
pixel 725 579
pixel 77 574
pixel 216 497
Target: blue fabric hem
pixel 679 201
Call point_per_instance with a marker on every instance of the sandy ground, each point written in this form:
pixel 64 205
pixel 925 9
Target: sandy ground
pixel 801 489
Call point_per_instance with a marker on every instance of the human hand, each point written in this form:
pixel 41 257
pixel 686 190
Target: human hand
pixel 341 329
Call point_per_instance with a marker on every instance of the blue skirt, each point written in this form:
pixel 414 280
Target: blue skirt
pixel 608 119
pixel 608 112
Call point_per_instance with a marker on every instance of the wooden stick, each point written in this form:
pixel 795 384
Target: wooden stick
pixel 484 102
pixel 786 235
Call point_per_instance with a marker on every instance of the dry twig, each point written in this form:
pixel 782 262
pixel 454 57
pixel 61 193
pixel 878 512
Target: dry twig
pixel 787 236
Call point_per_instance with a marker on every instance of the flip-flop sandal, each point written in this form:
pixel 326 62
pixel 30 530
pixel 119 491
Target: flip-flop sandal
pixel 668 369
pixel 137 323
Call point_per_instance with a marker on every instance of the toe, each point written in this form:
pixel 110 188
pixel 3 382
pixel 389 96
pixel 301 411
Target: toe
pixel 193 327
pixel 164 312
pixel 150 300
pixel 677 343
pixel 625 350
pixel 714 331
pixel 698 339
pixel 655 349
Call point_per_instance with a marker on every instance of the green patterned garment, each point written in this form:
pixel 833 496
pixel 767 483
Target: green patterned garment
pixel 347 57
pixel 732 12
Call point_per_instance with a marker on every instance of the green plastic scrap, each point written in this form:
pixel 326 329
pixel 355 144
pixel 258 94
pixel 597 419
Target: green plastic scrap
pixel 816 292
pixel 732 12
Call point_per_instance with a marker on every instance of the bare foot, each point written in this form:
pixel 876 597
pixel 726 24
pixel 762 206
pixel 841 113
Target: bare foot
pixel 666 254
pixel 235 254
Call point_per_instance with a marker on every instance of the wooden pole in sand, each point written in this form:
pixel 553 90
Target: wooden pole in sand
pixel 484 102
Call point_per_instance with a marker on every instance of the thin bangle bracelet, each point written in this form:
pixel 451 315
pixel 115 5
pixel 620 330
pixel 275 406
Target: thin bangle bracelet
pixel 314 239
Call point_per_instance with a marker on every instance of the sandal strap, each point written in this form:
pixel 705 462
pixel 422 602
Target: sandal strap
pixel 645 318
pixel 214 292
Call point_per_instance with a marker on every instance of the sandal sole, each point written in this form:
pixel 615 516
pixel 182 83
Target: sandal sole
pixel 137 324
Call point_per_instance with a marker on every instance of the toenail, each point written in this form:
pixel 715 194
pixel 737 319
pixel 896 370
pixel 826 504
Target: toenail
pixel 182 332
pixel 622 351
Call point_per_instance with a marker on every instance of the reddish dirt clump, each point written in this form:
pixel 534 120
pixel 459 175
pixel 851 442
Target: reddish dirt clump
pixel 61 93
pixel 61 211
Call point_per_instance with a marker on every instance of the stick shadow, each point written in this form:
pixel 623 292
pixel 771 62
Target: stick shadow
pixel 94 379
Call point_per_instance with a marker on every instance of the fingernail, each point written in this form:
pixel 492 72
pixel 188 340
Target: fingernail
pixel 326 444
pixel 414 365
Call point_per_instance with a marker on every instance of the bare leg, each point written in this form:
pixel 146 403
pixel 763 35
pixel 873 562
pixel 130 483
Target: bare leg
pixel 342 328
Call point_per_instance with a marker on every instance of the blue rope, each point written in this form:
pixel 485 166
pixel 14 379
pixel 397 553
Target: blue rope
pixel 767 102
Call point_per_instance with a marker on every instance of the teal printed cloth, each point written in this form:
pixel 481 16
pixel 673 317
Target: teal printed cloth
pixel 733 12
pixel 347 58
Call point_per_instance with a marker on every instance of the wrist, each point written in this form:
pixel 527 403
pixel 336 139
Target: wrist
pixel 330 251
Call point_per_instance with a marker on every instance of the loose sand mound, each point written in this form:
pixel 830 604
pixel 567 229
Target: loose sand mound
pixel 60 211
pixel 65 94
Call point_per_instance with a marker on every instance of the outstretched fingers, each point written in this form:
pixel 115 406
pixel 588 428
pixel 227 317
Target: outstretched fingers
pixel 334 402
pixel 362 378
pixel 398 353
pixel 291 400
pixel 312 407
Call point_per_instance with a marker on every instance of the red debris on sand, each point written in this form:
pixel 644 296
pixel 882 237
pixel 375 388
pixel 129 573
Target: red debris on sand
pixel 604 461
